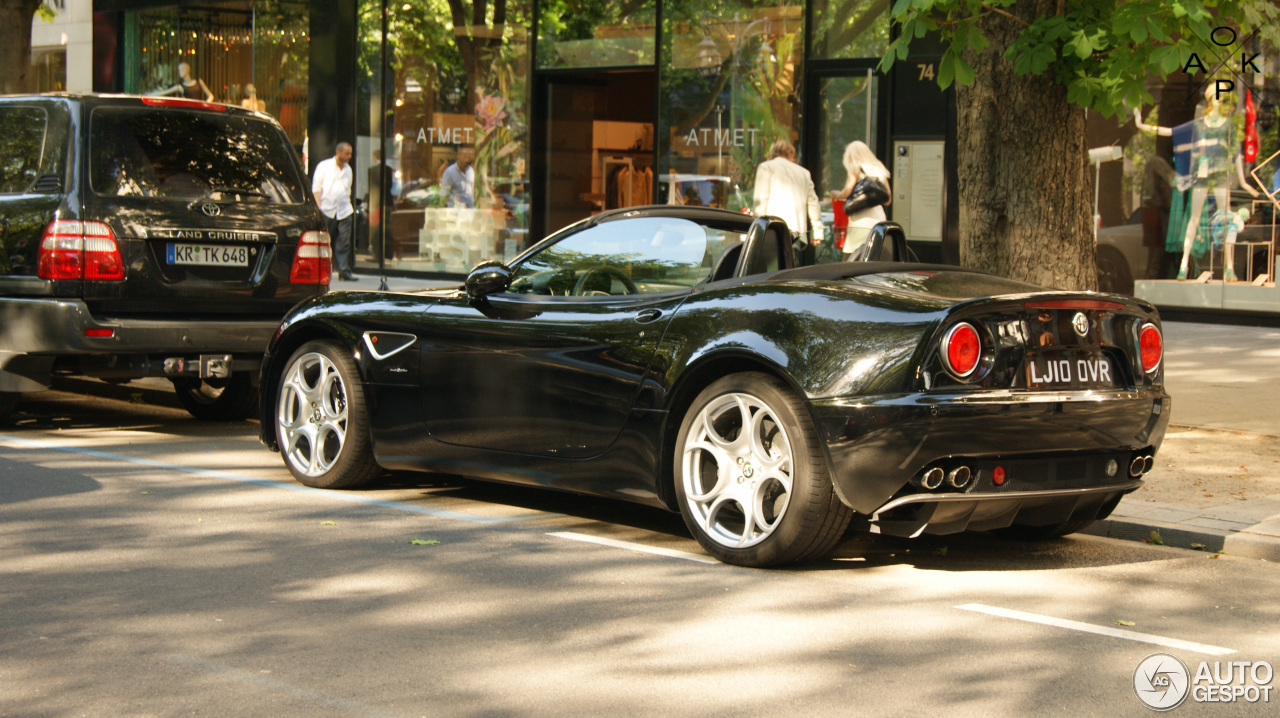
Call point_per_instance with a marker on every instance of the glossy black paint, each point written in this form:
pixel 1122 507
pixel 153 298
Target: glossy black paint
pixel 587 394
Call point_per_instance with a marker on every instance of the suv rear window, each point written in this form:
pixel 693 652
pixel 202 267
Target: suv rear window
pixel 190 155
pixel 21 147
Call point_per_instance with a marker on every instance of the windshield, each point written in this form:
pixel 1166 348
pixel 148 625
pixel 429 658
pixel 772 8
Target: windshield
pixel 190 155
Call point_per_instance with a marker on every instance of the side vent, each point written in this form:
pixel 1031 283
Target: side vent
pixel 47 183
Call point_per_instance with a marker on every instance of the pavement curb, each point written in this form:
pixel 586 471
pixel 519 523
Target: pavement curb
pixel 1232 543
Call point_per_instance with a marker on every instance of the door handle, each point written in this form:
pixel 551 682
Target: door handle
pixel 648 315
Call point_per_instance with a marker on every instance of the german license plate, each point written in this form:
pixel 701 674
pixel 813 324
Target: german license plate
pixel 207 255
pixel 1068 369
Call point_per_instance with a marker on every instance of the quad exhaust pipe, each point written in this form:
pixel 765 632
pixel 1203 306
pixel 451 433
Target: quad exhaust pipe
pixel 1141 465
pixel 958 478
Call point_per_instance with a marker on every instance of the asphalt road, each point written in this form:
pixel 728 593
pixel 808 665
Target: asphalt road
pixel 153 565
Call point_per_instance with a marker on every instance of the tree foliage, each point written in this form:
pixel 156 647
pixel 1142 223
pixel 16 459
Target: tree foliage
pixel 1103 51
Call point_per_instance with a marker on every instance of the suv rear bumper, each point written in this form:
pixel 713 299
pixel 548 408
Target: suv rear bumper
pixel 34 332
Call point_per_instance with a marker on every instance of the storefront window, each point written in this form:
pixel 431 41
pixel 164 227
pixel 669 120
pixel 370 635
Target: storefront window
pixel 731 89
pixel 455 136
pixel 850 28
pixel 607 33
pixel 252 54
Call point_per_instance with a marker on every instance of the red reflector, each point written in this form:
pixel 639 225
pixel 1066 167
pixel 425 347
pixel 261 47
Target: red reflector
pixel 184 102
pixel 962 348
pixel 1151 346
pixel 997 476
pixel 102 333
pixel 1073 304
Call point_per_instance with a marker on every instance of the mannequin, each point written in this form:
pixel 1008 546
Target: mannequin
pixel 193 88
pixel 1213 150
pixel 251 100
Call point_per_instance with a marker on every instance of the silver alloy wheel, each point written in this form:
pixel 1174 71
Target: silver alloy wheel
pixel 737 470
pixel 311 415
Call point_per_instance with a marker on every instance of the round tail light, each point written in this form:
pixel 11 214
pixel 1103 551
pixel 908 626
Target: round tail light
pixel 961 350
pixel 1151 346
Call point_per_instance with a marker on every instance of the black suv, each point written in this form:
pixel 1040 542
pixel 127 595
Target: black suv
pixel 147 236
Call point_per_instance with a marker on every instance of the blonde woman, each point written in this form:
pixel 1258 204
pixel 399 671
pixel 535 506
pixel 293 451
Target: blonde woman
pixel 860 162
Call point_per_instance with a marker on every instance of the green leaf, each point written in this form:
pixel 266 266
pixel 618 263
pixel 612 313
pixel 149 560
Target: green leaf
pixel 977 41
pixel 328 523
pixel 1125 623
pixel 964 71
pixel 946 71
pixel 1155 538
pixel 900 7
pixel 428 542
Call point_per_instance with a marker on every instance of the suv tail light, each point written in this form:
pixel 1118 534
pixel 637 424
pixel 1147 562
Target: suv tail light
pixel 71 249
pixel 1151 346
pixel 961 350
pixel 312 263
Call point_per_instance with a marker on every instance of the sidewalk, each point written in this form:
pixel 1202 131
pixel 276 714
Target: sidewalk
pixel 1216 483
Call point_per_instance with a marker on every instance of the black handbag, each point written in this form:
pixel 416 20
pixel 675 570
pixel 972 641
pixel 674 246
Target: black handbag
pixel 869 192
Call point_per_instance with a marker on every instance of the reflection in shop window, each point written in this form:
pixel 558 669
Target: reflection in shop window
pixel 456 105
pixel 731 90
pixel 850 28
pixel 611 33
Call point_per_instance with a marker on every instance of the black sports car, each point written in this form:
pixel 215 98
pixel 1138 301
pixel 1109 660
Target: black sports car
pixel 675 357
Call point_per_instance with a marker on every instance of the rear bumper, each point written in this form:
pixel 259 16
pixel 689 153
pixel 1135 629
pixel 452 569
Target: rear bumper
pixel 1055 450
pixel 36 331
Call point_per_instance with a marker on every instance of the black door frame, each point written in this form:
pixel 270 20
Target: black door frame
pixel 815 72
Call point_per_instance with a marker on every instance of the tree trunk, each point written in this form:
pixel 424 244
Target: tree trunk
pixel 1026 193
pixel 15 44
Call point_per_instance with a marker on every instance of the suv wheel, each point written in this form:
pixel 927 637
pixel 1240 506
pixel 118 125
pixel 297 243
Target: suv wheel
pixel 231 399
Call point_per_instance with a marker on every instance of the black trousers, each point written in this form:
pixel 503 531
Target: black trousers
pixel 340 240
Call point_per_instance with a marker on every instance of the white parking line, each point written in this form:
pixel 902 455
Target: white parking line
pixel 1100 630
pixel 672 553
pixel 326 493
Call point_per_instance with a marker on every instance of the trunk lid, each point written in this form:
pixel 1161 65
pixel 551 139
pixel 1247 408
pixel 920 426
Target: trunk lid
pixel 207 207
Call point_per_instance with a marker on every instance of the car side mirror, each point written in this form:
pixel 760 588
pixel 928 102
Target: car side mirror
pixel 487 278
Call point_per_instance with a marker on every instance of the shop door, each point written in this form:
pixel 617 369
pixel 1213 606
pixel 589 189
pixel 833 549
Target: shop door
pixel 844 105
pixel 597 129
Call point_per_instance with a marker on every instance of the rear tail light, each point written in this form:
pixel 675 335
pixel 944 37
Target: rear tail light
pixel 961 350
pixel 313 262
pixel 1151 346
pixel 71 249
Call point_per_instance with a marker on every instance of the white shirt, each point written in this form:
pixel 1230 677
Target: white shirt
pixel 784 189
pixel 332 188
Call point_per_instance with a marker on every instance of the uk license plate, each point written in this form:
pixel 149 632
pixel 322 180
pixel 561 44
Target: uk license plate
pixel 1083 369
pixel 207 255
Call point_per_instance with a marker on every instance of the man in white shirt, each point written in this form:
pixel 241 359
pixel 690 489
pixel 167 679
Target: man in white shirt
pixel 459 179
pixel 332 188
pixel 784 189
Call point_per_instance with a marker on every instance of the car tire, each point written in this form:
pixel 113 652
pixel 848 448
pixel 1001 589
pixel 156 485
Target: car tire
pixel 718 468
pixel 1114 276
pixel 232 399
pixel 8 402
pixel 322 422
pixel 1043 533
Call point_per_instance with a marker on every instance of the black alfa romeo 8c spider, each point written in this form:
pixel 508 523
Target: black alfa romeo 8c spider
pixel 676 357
